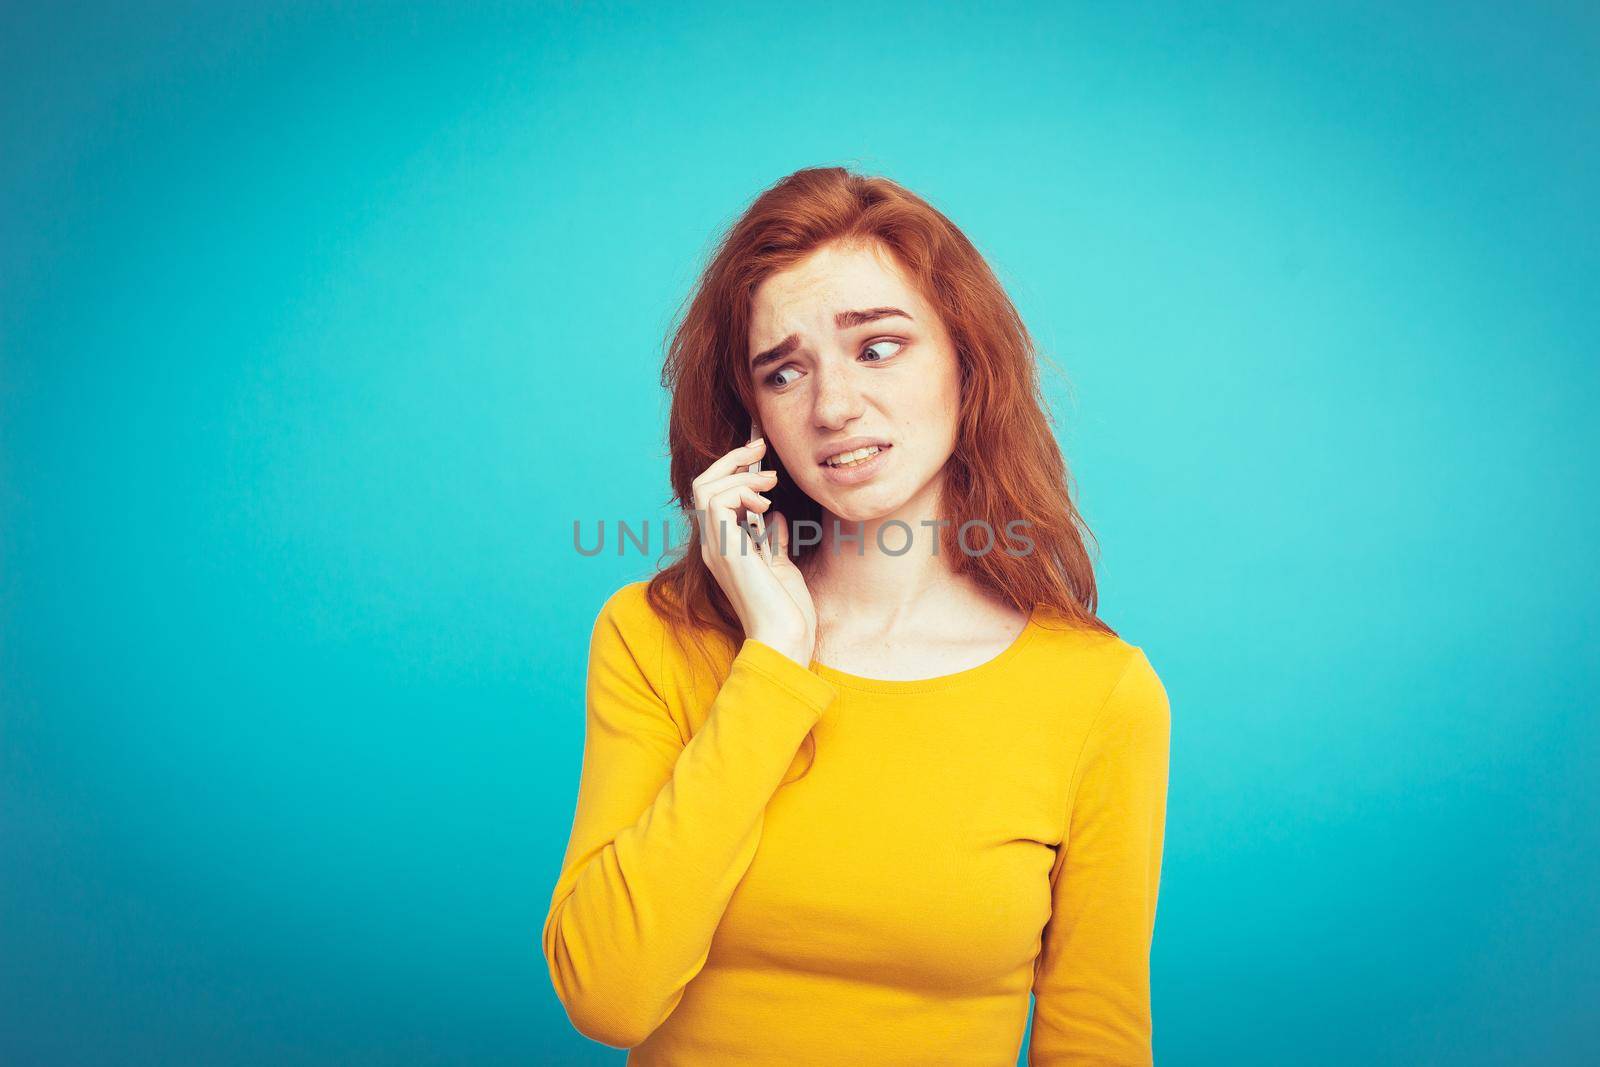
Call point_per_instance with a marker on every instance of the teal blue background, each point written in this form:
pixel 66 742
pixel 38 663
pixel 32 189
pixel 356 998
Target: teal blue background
pixel 319 328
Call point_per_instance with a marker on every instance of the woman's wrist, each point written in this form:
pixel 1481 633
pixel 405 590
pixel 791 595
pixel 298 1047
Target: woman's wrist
pixel 796 649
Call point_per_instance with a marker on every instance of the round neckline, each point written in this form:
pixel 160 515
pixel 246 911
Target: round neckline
pixel 937 682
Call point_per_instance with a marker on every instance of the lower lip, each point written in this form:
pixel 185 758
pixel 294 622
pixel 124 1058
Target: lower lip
pixel 858 473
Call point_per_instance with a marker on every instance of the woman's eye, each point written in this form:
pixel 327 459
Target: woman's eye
pixel 777 379
pixel 897 344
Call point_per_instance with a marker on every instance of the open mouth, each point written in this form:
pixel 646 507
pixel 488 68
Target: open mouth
pixel 847 460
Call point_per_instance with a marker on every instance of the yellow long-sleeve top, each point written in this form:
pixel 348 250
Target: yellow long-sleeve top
pixel 956 842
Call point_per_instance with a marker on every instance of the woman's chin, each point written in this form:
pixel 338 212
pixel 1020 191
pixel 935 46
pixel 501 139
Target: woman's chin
pixel 866 506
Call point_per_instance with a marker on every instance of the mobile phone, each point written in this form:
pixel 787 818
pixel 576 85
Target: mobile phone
pixel 754 522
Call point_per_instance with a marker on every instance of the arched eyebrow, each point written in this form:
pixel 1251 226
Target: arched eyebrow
pixel 843 320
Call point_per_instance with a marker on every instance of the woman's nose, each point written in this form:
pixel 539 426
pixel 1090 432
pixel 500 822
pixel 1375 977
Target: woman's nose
pixel 837 398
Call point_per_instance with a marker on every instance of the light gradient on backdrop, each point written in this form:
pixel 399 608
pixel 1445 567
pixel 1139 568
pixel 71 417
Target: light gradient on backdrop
pixel 318 330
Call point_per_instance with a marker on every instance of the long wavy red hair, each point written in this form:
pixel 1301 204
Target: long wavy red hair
pixel 1006 464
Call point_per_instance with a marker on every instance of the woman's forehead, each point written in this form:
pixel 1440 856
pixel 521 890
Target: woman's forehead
pixel 808 295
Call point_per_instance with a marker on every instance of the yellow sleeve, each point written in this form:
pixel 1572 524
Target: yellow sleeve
pixel 1092 979
pixel 664 830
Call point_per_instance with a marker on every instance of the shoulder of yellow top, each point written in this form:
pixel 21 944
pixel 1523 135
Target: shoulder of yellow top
pixel 629 602
pixel 629 610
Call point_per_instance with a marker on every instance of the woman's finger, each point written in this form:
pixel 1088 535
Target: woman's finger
pixel 722 525
pixel 729 462
pixel 755 479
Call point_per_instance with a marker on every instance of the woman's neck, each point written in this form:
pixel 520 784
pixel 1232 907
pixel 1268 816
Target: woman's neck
pixel 872 576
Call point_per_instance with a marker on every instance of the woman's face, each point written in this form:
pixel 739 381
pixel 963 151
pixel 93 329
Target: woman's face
pixel 845 353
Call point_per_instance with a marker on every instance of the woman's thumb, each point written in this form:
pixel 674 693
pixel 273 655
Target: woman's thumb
pixel 780 537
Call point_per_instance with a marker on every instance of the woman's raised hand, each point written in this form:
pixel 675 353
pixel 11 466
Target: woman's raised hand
pixel 771 600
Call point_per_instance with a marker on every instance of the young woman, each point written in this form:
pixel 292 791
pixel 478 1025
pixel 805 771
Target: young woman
pixel 852 804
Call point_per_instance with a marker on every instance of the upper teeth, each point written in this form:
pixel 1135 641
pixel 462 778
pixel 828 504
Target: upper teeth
pixel 852 457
